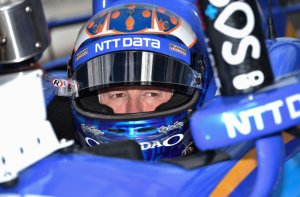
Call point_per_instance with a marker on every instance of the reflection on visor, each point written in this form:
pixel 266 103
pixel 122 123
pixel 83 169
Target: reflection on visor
pixel 134 67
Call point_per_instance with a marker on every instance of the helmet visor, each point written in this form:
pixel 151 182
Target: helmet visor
pixel 134 68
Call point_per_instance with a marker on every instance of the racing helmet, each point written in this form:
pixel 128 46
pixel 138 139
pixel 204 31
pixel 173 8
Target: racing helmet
pixel 137 45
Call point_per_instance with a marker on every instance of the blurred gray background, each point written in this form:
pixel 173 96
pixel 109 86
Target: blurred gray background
pixel 63 38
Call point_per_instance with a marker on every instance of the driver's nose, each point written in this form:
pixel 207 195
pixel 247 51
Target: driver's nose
pixel 133 105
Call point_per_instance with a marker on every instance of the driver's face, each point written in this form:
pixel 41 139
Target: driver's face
pixel 135 99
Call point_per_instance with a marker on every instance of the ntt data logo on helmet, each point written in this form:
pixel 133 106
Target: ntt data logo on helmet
pixel 131 42
pixel 127 42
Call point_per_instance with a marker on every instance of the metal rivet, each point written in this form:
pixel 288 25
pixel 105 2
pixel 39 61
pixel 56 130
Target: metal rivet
pixel 38 45
pixel 3 160
pixel 3 41
pixel 7 174
pixel 28 9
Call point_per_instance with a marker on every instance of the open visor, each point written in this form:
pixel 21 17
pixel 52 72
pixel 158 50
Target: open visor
pixel 134 68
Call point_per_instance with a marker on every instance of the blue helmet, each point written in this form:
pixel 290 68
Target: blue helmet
pixel 137 45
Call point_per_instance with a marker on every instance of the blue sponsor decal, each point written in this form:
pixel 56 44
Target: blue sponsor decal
pixel 164 137
pixel 229 120
pixel 131 42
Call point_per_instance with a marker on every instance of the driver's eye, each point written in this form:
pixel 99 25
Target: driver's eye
pixel 117 95
pixel 151 94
